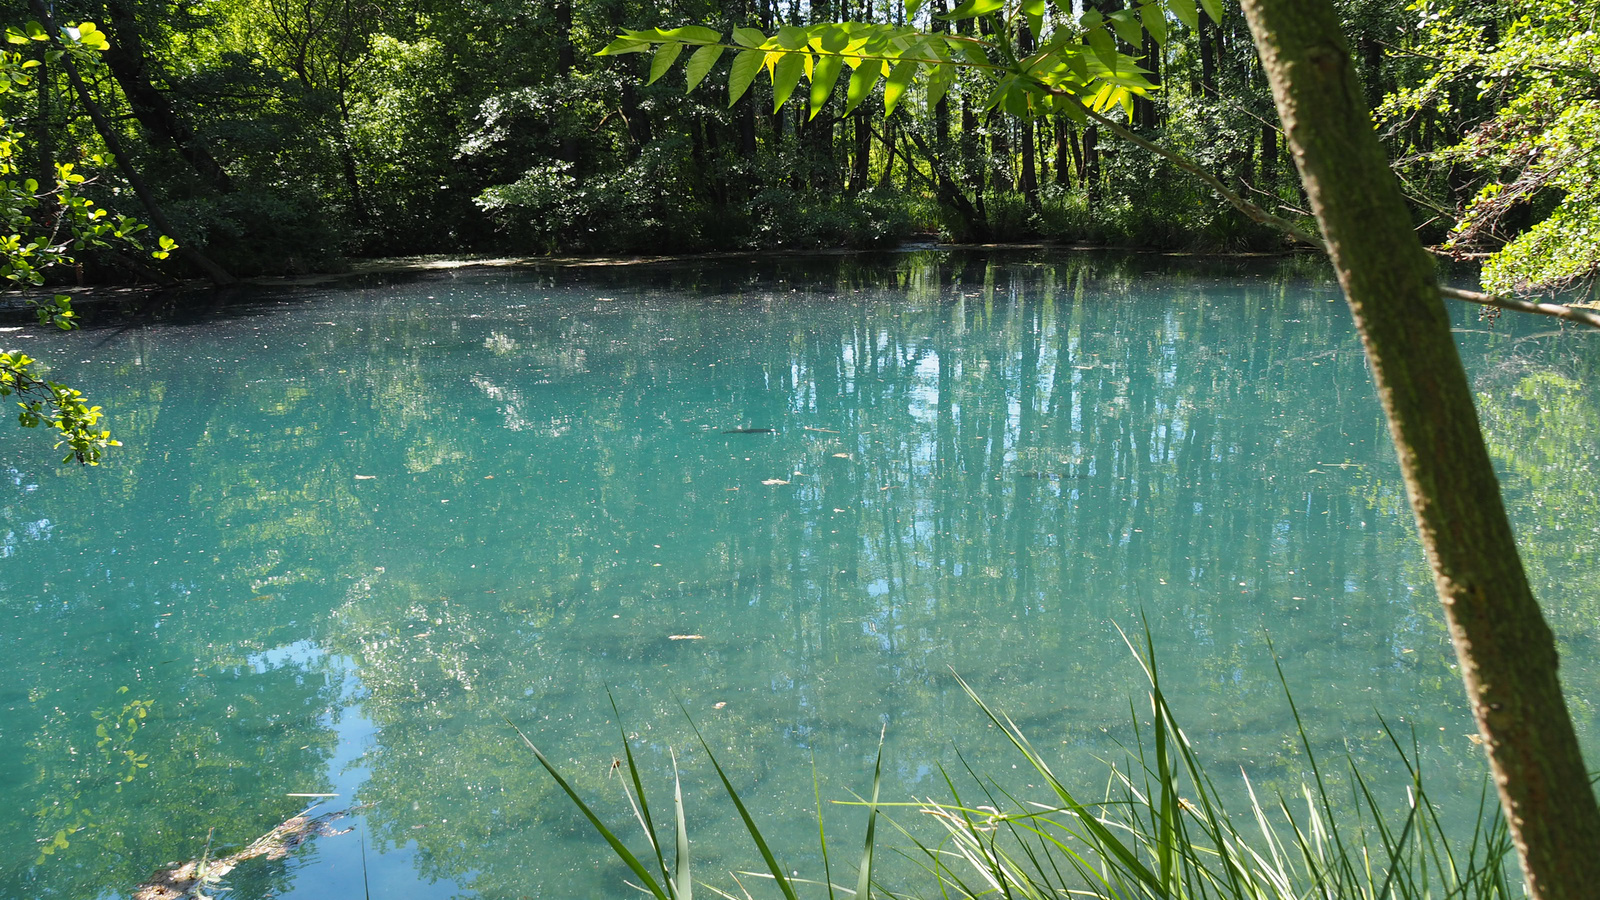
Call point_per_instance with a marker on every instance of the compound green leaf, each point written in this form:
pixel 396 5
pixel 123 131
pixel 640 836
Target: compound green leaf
pixel 1128 26
pixel 823 76
pixel 624 45
pixel 1104 46
pixel 973 8
pixel 786 76
pixel 692 34
pixel 1155 21
pixel 1186 12
pixel 743 71
pixel 895 87
pixel 1033 11
pixel 862 81
pixel 792 38
pixel 1016 102
pixel 700 63
pixel 1213 9
pixel 665 56
pixel 939 80
pixel 749 37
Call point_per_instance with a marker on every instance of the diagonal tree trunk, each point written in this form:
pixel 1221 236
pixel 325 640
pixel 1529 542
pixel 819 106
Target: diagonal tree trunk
pixel 108 133
pixel 130 66
pixel 1506 651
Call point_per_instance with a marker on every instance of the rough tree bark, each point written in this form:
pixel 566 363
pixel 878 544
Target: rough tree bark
pixel 1506 650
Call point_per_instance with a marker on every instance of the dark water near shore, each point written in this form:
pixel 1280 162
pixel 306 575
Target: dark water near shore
pixel 353 528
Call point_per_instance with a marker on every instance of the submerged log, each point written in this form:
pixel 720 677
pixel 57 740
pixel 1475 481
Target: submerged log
pixel 183 882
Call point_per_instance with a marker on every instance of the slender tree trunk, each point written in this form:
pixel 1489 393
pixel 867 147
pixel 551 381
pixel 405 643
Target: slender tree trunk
pixel 108 133
pixel 1145 113
pixel 999 124
pixel 1208 58
pixel 861 159
pixel 1090 174
pixel 1269 158
pixel 130 66
pixel 1028 181
pixel 941 110
pixel 886 178
pixel 1506 651
pixel 974 219
pixel 746 114
pixel 1064 144
pixel 562 9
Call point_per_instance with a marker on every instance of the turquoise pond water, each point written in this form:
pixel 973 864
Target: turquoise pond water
pixel 353 527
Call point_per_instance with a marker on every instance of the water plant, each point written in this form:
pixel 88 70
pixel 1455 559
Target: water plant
pixel 1160 830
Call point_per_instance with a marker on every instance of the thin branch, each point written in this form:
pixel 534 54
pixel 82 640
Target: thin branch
pixel 1558 310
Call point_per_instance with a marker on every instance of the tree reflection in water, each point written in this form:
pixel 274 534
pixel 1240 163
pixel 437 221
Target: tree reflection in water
pixel 497 492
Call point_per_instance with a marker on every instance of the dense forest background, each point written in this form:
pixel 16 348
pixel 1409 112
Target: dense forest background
pixel 284 136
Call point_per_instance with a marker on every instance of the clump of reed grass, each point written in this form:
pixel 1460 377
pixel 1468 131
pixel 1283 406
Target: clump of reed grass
pixel 1159 831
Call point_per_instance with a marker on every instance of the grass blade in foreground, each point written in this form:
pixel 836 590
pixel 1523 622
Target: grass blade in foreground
pixel 864 883
pixel 617 847
pixel 1161 832
pixel 681 879
pixel 749 823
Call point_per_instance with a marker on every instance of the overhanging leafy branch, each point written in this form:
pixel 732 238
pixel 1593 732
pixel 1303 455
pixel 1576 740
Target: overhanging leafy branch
pixel 1077 70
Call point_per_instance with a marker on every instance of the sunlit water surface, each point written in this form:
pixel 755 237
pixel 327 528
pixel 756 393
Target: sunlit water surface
pixel 353 529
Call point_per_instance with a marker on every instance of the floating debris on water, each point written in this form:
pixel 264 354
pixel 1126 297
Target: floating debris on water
pixel 686 637
pixel 189 879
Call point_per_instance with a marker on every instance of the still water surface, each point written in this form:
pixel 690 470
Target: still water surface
pixel 354 527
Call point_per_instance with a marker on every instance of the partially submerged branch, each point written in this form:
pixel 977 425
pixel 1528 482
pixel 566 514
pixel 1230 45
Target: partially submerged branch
pixel 186 881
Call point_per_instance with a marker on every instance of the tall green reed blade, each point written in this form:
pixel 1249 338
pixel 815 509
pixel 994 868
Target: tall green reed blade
pixel 1341 855
pixel 680 879
pixel 864 882
pixel 645 821
pixel 617 847
pixel 1118 851
pixel 822 832
pixel 749 823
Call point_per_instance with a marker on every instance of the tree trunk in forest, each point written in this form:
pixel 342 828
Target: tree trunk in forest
pixel 886 178
pixel 974 219
pixel 1146 114
pixel 941 110
pixel 1090 174
pixel 564 57
pixel 861 162
pixel 108 133
pixel 1064 144
pixel 999 125
pixel 130 66
pixel 1506 650
pixel 1028 181
pixel 1208 58
pixel 1269 159
pixel 746 113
